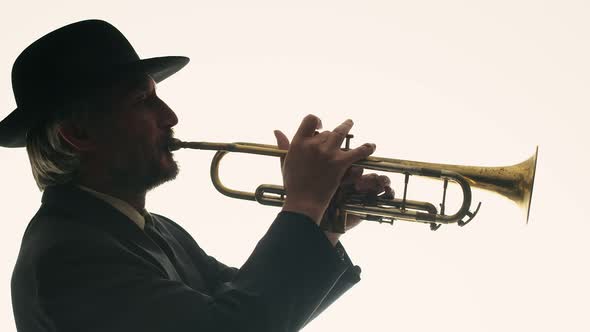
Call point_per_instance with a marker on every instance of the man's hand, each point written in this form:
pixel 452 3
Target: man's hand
pixel 315 166
pixel 358 183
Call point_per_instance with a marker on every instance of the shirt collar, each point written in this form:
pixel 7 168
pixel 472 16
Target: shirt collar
pixel 120 205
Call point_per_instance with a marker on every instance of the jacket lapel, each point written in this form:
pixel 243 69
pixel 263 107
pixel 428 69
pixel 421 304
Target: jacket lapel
pixel 88 209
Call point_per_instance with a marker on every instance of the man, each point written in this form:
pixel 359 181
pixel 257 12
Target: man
pixel 93 259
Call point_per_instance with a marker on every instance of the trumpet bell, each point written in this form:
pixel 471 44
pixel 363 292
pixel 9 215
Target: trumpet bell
pixel 514 182
pixel 523 195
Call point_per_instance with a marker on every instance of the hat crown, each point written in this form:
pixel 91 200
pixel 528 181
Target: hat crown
pixel 65 61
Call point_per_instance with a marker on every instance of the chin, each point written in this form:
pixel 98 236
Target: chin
pixel 169 165
pixel 172 172
pixel 157 172
pixel 168 170
pixel 162 177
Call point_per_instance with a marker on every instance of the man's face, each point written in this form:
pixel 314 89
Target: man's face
pixel 132 138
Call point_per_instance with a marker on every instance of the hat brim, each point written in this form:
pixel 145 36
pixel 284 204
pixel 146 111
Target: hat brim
pixel 162 67
pixel 14 128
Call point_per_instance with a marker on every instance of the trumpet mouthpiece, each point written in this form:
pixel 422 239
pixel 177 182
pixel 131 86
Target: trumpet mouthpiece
pixel 174 144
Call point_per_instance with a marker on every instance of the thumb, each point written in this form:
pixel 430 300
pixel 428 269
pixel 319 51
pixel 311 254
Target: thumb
pixel 282 143
pixel 282 140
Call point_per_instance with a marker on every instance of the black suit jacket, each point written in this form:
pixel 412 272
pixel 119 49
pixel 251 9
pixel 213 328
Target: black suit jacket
pixel 84 266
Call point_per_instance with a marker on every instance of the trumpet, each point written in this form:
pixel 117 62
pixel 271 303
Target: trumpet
pixel 513 182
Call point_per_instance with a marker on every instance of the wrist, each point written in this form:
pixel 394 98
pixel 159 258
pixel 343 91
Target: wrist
pixel 313 211
pixel 333 237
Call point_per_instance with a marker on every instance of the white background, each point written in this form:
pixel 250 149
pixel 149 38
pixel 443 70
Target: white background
pixel 465 82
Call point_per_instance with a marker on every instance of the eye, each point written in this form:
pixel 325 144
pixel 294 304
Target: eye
pixel 144 97
pixel 141 96
pixel 150 99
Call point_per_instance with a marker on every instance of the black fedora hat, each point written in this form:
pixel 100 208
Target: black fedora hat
pixel 67 63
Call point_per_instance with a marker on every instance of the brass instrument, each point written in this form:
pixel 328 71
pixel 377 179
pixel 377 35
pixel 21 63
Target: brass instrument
pixel 514 182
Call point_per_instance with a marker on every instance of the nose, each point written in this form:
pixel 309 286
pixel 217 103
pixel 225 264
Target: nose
pixel 168 118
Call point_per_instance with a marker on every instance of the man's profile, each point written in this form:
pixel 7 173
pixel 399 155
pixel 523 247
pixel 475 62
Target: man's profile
pixel 94 259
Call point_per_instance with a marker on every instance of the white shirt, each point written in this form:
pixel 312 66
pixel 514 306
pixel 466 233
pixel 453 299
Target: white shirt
pixel 120 205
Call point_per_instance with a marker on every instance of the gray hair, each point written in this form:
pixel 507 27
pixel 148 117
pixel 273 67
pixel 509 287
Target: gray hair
pixel 53 160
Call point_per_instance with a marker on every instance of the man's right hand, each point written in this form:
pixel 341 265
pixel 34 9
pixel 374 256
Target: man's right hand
pixel 315 165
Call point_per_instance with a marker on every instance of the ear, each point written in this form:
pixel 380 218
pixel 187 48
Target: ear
pixel 76 136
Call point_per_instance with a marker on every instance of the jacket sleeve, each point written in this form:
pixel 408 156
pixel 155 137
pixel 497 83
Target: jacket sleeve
pixel 345 282
pixel 289 277
pixel 350 277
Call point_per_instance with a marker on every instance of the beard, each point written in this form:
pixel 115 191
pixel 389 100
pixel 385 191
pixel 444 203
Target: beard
pixel 141 168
